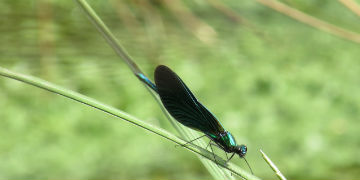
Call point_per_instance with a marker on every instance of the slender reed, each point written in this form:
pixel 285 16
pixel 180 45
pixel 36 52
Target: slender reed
pixel 311 21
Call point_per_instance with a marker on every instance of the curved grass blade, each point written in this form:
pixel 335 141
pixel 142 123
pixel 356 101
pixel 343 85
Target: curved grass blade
pixel 122 115
pixel 217 172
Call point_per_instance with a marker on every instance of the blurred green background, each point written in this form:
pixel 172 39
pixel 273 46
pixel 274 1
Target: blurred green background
pixel 274 83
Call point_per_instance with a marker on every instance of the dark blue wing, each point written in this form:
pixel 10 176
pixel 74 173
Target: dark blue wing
pixel 181 103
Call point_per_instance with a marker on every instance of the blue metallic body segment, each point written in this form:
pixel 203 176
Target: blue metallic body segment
pixel 224 140
pixel 232 141
pixel 147 81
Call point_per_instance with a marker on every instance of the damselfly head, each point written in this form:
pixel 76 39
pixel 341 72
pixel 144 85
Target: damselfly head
pixel 241 150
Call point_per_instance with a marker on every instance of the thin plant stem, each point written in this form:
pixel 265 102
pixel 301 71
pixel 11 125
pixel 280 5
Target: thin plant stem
pixel 352 5
pixel 122 115
pixel 215 171
pixel 311 21
pixel 273 166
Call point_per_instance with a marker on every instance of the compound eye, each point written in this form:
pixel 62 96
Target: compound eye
pixel 242 150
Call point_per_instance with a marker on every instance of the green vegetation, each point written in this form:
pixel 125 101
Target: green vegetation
pixel 274 82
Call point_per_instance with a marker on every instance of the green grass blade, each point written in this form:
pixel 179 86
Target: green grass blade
pixel 273 166
pixel 214 170
pixel 120 114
